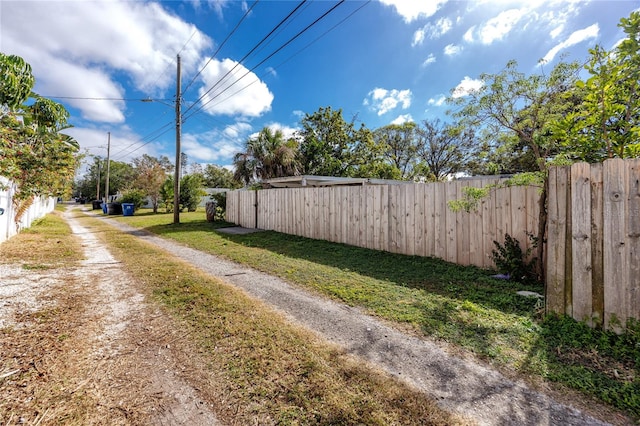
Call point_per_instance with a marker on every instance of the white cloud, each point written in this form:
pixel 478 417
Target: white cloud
pixel 216 145
pixel 575 38
pixel 430 60
pixel 410 10
pixel 240 93
pixel 418 37
pixel 438 101
pixel 468 36
pixel 497 28
pixel 554 33
pixel 452 49
pixel 466 86
pixel 432 31
pixel 78 52
pixel 401 119
pixel 237 129
pixel 383 100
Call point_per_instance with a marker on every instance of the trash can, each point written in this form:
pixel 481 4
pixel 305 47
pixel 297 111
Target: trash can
pixel 114 208
pixel 127 209
pixel 96 204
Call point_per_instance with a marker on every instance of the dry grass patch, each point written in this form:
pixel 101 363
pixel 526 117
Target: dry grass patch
pixel 47 244
pixel 265 370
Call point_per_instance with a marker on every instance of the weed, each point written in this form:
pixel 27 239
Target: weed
pixel 510 259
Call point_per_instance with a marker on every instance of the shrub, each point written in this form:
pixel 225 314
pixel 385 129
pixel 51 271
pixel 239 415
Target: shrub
pixel 510 259
pixel 136 197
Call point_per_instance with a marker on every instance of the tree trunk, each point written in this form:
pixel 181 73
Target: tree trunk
pixel 542 237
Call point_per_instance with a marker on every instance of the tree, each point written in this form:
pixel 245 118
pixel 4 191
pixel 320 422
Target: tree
pixel 445 149
pixel 34 154
pixel 607 123
pixel 327 141
pixel 191 192
pixel 369 154
pixel 520 112
pixel 267 155
pixel 219 177
pixel 400 147
pixel 150 174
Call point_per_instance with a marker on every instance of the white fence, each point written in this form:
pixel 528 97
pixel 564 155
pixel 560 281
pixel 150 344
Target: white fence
pixel 8 226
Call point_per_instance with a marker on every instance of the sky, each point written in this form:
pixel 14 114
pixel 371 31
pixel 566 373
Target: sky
pixel 246 65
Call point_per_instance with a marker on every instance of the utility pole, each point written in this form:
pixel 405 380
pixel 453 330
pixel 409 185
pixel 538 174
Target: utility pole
pixel 98 182
pixel 106 185
pixel 176 178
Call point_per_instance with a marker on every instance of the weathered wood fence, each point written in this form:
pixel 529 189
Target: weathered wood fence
pixel 412 219
pixel 593 245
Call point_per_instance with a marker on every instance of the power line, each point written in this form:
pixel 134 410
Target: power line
pixel 249 53
pixel 292 56
pixel 221 45
pixel 264 60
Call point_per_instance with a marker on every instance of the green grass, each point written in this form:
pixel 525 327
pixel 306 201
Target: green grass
pixel 461 305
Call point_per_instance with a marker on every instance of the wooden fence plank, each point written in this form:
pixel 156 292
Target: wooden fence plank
pixel 410 219
pixel 429 215
pixel 384 218
pixel 597 241
pixel 489 230
pixel 633 232
pixel 581 242
pixel 463 225
pixel 419 220
pixel 476 235
pixel 440 221
pixel 555 300
pixel 616 265
pixel 344 213
pixel 451 224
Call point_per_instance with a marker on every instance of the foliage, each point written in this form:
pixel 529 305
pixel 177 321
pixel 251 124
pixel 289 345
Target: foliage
pixel 599 363
pixel 150 174
pixel 267 155
pixel 16 82
pixel 516 111
pixel 607 123
pixel 134 196
pixel 219 177
pixel 166 194
pixel 34 155
pixel 399 148
pixel 444 149
pixel 121 176
pixel 221 200
pixel 509 258
pixel 326 144
pixel 191 192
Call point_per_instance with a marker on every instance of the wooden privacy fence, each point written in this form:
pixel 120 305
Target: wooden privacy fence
pixel 593 245
pixel 412 219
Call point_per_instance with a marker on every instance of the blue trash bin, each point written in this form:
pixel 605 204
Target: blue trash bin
pixel 127 209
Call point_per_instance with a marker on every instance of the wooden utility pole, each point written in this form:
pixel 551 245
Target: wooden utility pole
pixel 176 178
pixel 106 185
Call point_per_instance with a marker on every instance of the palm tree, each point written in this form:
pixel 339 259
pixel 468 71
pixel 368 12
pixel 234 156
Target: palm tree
pixel 267 155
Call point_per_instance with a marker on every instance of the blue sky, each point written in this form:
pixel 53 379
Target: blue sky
pixel 381 62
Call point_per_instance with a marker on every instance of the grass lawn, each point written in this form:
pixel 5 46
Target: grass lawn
pixel 463 306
